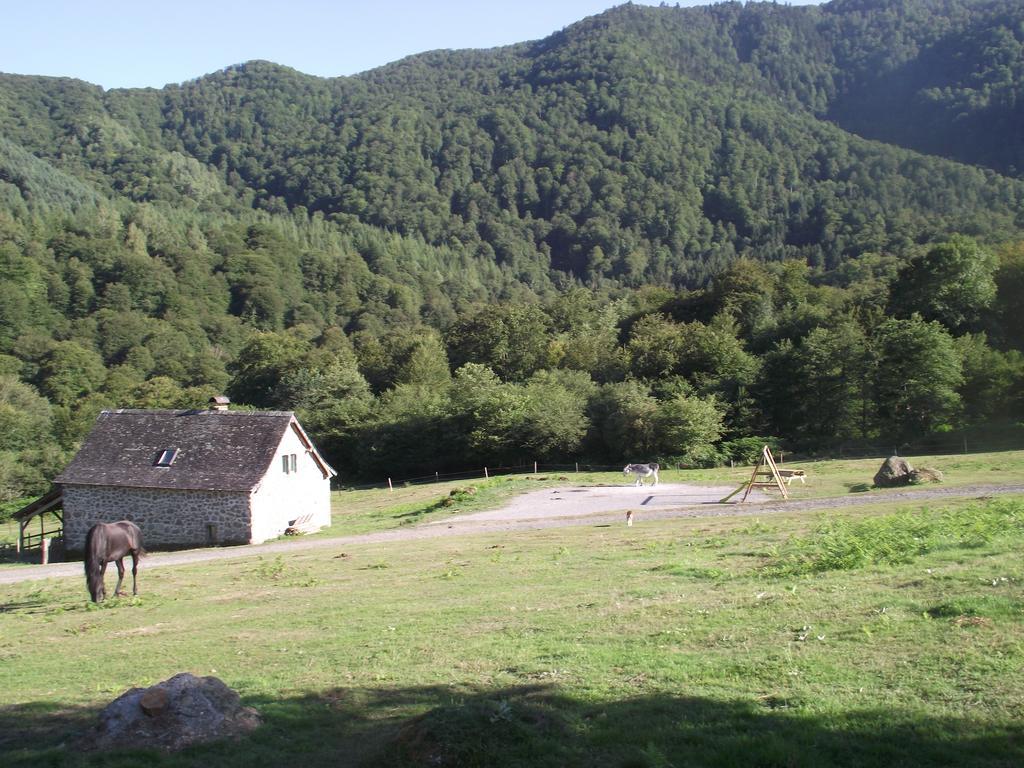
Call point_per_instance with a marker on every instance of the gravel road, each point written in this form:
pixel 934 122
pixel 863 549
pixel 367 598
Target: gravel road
pixel 546 508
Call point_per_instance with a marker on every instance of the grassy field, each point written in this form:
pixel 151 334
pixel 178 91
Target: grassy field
pixel 875 636
pixel 366 511
pixel 378 509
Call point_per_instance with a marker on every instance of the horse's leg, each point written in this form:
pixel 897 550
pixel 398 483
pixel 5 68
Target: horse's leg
pixel 102 591
pixel 120 576
pixel 135 571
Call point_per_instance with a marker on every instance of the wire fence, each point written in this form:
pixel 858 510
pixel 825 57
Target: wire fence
pixel 937 446
pixel 482 473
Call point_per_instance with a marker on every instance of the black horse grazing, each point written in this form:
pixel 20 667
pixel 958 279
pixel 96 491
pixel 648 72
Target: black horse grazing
pixel 106 542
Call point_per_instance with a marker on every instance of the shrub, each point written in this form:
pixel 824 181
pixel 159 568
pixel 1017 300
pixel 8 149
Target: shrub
pixel 840 544
pixel 747 450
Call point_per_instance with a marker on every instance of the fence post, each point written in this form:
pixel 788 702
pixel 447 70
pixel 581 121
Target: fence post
pixel 535 467
pixel 577 467
pixel 390 486
pixel 486 476
pixel 45 548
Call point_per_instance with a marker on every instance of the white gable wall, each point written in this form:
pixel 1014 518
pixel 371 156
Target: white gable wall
pixel 283 497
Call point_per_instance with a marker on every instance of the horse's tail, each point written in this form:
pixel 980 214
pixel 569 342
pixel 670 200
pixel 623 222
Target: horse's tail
pixel 94 542
pixel 140 551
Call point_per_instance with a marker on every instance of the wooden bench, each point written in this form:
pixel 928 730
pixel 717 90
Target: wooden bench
pixel 789 475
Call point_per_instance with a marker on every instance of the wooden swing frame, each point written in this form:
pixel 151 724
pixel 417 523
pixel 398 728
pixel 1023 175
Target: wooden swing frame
pixel 765 468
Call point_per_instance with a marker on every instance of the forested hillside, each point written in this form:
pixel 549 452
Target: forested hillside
pixel 652 234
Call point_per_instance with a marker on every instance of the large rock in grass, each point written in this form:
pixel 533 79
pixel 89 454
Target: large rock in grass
pixel 925 475
pixel 894 472
pixel 171 715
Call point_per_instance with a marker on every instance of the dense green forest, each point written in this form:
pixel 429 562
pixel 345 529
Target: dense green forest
pixel 655 234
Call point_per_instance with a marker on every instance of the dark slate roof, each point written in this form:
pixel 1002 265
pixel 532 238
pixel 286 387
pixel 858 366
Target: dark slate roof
pixel 217 450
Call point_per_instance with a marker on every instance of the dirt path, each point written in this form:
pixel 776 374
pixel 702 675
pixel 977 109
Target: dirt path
pixel 547 508
pixel 578 501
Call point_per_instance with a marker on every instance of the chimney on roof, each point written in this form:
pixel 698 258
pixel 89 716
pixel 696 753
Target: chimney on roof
pixel 219 403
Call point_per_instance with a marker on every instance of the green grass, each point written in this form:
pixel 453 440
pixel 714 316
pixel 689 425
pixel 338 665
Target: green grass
pixel 843 544
pixel 679 642
pixel 355 512
pixel 371 510
pixel 853 476
pixel 365 511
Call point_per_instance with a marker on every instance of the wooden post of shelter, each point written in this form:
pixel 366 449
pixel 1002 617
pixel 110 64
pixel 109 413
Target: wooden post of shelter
pixel 51 502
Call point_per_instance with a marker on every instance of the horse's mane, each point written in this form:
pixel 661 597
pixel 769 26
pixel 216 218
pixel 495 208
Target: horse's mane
pixel 94 541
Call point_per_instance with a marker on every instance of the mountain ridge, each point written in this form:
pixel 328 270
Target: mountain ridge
pixel 647 210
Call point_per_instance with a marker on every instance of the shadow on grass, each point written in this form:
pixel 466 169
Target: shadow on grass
pixel 536 726
pixel 27 607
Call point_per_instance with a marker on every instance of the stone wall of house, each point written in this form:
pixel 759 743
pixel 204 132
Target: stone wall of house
pixel 168 518
pixel 283 497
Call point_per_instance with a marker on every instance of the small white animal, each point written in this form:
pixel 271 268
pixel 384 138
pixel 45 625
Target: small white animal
pixel 641 471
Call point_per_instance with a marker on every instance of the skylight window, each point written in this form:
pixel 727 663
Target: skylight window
pixel 166 458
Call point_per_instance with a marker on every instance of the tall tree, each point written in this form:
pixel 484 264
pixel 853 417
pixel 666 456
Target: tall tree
pixel 818 391
pixel 688 428
pixel 511 339
pixel 625 421
pixel 553 422
pixel 953 282
pixel 917 376
pixel 261 365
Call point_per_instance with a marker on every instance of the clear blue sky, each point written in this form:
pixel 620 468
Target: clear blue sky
pixel 139 43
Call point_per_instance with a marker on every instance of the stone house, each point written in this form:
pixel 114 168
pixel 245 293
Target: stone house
pixel 194 478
